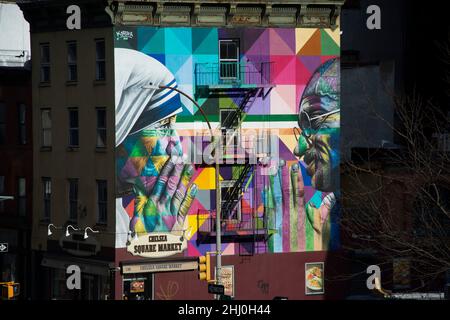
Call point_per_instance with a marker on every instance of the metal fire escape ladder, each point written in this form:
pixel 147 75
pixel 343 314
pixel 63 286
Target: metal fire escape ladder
pixel 234 194
pixel 234 120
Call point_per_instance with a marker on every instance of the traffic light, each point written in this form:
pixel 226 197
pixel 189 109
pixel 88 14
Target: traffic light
pixel 10 290
pixel 204 267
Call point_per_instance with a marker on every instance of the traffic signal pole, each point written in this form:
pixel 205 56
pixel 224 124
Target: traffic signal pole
pixel 218 222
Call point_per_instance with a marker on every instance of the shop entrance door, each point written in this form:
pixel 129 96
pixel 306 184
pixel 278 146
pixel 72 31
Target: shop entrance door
pixel 138 287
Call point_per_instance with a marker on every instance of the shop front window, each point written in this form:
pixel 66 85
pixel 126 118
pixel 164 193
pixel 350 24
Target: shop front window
pixel 93 287
pixel 8 267
pixel 138 287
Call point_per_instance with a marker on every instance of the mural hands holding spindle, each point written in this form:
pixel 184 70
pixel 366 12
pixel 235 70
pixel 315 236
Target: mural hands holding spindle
pixel 165 209
pixel 163 204
pixel 306 212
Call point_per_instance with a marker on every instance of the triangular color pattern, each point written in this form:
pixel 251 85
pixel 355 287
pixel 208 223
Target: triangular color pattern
pixel 302 36
pixel 313 47
pixel 329 47
pixel 279 42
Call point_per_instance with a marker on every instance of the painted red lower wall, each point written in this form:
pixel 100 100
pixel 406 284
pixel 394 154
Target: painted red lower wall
pixel 259 277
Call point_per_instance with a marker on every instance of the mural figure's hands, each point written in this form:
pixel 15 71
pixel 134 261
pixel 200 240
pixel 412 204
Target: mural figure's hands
pixel 327 205
pixel 141 157
pixel 316 217
pixel 298 189
pixel 160 184
pixel 166 207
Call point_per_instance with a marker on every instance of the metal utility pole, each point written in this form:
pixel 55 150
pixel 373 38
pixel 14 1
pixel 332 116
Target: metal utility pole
pixel 218 216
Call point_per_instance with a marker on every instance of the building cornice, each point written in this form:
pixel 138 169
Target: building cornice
pixel 51 15
pixel 201 13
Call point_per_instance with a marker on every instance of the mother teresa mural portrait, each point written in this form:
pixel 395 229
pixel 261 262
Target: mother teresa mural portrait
pixel 152 174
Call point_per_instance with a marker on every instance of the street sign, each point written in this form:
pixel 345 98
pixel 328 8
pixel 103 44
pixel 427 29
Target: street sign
pixel 227 280
pixel 216 288
pixel 3 247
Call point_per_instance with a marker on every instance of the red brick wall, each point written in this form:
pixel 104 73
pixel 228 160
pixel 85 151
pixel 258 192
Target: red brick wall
pixel 260 277
pixel 16 160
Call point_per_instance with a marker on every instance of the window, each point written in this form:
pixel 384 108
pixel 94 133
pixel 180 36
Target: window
pixel 73 128
pixel 22 124
pixel 229 119
pixel 100 69
pixel 47 196
pixel 72 61
pixel 102 197
pixel 2 193
pixel 22 197
pixel 46 123
pixel 73 199
pixel 2 123
pixel 45 62
pixel 267 144
pixel 101 128
pixel 230 200
pixel 229 59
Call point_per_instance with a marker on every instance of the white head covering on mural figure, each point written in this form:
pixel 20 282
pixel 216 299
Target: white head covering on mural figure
pixel 138 108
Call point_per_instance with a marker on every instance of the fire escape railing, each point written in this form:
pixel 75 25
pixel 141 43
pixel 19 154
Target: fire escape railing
pixel 232 73
pixel 248 222
pixel 234 193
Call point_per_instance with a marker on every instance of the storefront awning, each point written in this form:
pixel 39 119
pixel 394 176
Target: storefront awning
pixel 169 265
pixel 95 267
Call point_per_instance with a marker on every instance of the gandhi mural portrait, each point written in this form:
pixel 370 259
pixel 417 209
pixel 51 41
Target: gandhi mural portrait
pixel 319 121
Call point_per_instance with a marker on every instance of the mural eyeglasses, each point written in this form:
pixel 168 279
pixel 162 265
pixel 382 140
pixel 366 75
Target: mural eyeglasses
pixel 307 131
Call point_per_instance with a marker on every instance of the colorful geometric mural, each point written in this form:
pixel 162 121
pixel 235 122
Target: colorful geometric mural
pixel 281 90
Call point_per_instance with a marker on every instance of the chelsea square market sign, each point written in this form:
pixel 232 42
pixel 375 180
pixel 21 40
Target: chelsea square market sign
pixel 157 245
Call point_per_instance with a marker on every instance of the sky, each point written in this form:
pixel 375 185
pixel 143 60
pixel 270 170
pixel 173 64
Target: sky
pixel 14 36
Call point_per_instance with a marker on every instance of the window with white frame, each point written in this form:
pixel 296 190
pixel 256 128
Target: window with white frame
pixel 46 127
pixel 229 118
pixel 72 61
pixel 22 197
pixel 229 59
pixel 230 200
pixel 22 124
pixel 100 65
pixel 73 128
pixel 102 198
pixel 47 198
pixel 101 127
pixel 73 199
pixel 45 62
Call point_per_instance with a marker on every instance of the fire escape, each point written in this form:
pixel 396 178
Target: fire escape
pixel 246 83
